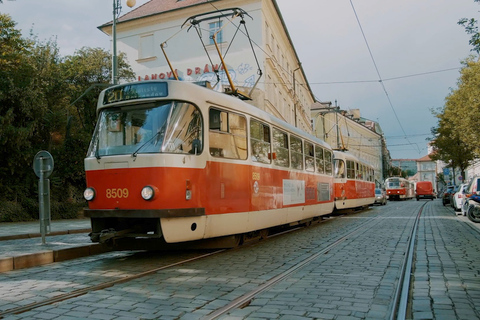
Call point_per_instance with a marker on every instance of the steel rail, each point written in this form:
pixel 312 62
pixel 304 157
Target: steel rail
pixel 108 284
pixel 100 286
pixel 400 301
pixel 246 298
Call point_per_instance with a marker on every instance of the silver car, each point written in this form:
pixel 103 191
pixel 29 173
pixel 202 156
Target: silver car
pixel 380 196
pixel 459 197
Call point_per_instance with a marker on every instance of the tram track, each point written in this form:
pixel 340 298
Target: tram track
pixel 108 284
pixel 239 302
pixel 399 304
pixel 104 285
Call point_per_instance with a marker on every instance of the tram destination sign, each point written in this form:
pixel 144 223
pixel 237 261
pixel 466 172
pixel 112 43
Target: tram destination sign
pixel 135 91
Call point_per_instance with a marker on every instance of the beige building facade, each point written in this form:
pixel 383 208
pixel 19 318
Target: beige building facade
pixel 282 90
pixel 346 130
pixel 271 74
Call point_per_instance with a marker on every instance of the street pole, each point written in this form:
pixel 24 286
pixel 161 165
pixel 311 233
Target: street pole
pixel 116 7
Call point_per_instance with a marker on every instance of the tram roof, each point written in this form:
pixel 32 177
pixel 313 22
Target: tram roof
pixel 222 100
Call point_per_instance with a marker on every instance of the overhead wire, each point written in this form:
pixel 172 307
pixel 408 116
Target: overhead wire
pixel 380 80
pixel 379 76
pixel 341 82
pixel 388 79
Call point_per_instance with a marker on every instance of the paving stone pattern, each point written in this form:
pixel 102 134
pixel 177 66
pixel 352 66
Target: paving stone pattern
pixel 355 280
pixel 447 268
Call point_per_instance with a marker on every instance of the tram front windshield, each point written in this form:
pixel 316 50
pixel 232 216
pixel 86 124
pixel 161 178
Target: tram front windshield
pixel 164 127
pixel 393 184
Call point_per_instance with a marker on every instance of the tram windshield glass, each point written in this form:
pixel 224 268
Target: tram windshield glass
pixel 393 184
pixel 164 127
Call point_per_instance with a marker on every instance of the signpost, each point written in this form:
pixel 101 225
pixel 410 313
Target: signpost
pixel 43 167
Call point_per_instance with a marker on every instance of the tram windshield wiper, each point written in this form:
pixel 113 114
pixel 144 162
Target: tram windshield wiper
pixel 97 152
pixel 156 136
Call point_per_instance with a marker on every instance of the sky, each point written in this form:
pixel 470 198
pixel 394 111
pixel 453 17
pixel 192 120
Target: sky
pixel 396 61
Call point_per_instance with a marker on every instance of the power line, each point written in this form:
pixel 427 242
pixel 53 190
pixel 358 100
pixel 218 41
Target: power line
pixel 379 76
pixel 410 135
pixel 388 79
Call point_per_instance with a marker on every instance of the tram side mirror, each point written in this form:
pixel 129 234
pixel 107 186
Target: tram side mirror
pixel 196 147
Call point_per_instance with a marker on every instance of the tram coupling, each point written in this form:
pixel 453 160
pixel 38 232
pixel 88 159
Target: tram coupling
pixel 108 235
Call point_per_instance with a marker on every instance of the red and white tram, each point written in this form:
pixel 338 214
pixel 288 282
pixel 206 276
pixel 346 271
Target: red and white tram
pixel 399 188
pixel 176 161
pixel 354 182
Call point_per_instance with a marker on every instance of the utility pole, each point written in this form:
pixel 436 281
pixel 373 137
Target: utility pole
pixel 117 8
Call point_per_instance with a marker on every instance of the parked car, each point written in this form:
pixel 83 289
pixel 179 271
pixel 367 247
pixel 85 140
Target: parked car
pixel 455 190
pixel 380 197
pixel 472 188
pixel 424 190
pixel 446 194
pixel 459 197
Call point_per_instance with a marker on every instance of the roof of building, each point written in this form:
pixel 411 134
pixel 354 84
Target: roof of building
pixel 405 160
pixel 425 158
pixel 154 7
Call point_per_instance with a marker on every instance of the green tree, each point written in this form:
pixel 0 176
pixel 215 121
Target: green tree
pixel 47 102
pixel 447 144
pixel 462 108
pixel 471 27
pixel 85 74
pixel 23 105
pixel 455 138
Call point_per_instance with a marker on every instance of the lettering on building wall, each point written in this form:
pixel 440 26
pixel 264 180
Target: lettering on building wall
pixel 207 73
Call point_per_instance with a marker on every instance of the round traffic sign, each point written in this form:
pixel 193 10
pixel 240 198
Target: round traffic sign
pixel 43 162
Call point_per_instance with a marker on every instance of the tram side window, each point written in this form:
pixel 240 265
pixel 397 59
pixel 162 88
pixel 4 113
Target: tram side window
pixel 319 159
pixel 296 153
pixel 280 148
pixel 339 169
pixel 328 162
pixel 350 169
pixel 184 132
pixel 228 135
pixel 309 157
pixel 260 141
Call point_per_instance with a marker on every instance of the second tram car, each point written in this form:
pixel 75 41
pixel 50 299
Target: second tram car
pixel 172 160
pixel 354 182
pixel 399 188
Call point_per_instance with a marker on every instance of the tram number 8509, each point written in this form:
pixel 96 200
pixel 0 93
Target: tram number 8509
pixel 117 193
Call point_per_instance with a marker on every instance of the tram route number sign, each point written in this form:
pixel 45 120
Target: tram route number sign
pixel 43 161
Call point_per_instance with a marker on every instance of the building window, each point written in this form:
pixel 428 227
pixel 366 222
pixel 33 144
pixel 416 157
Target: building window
pixel 213 27
pixel 146 47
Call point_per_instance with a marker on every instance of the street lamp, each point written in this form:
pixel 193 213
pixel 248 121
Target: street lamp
pixel 117 7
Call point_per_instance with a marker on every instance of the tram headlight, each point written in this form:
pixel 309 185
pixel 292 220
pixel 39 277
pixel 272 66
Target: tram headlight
pixel 148 193
pixel 89 194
